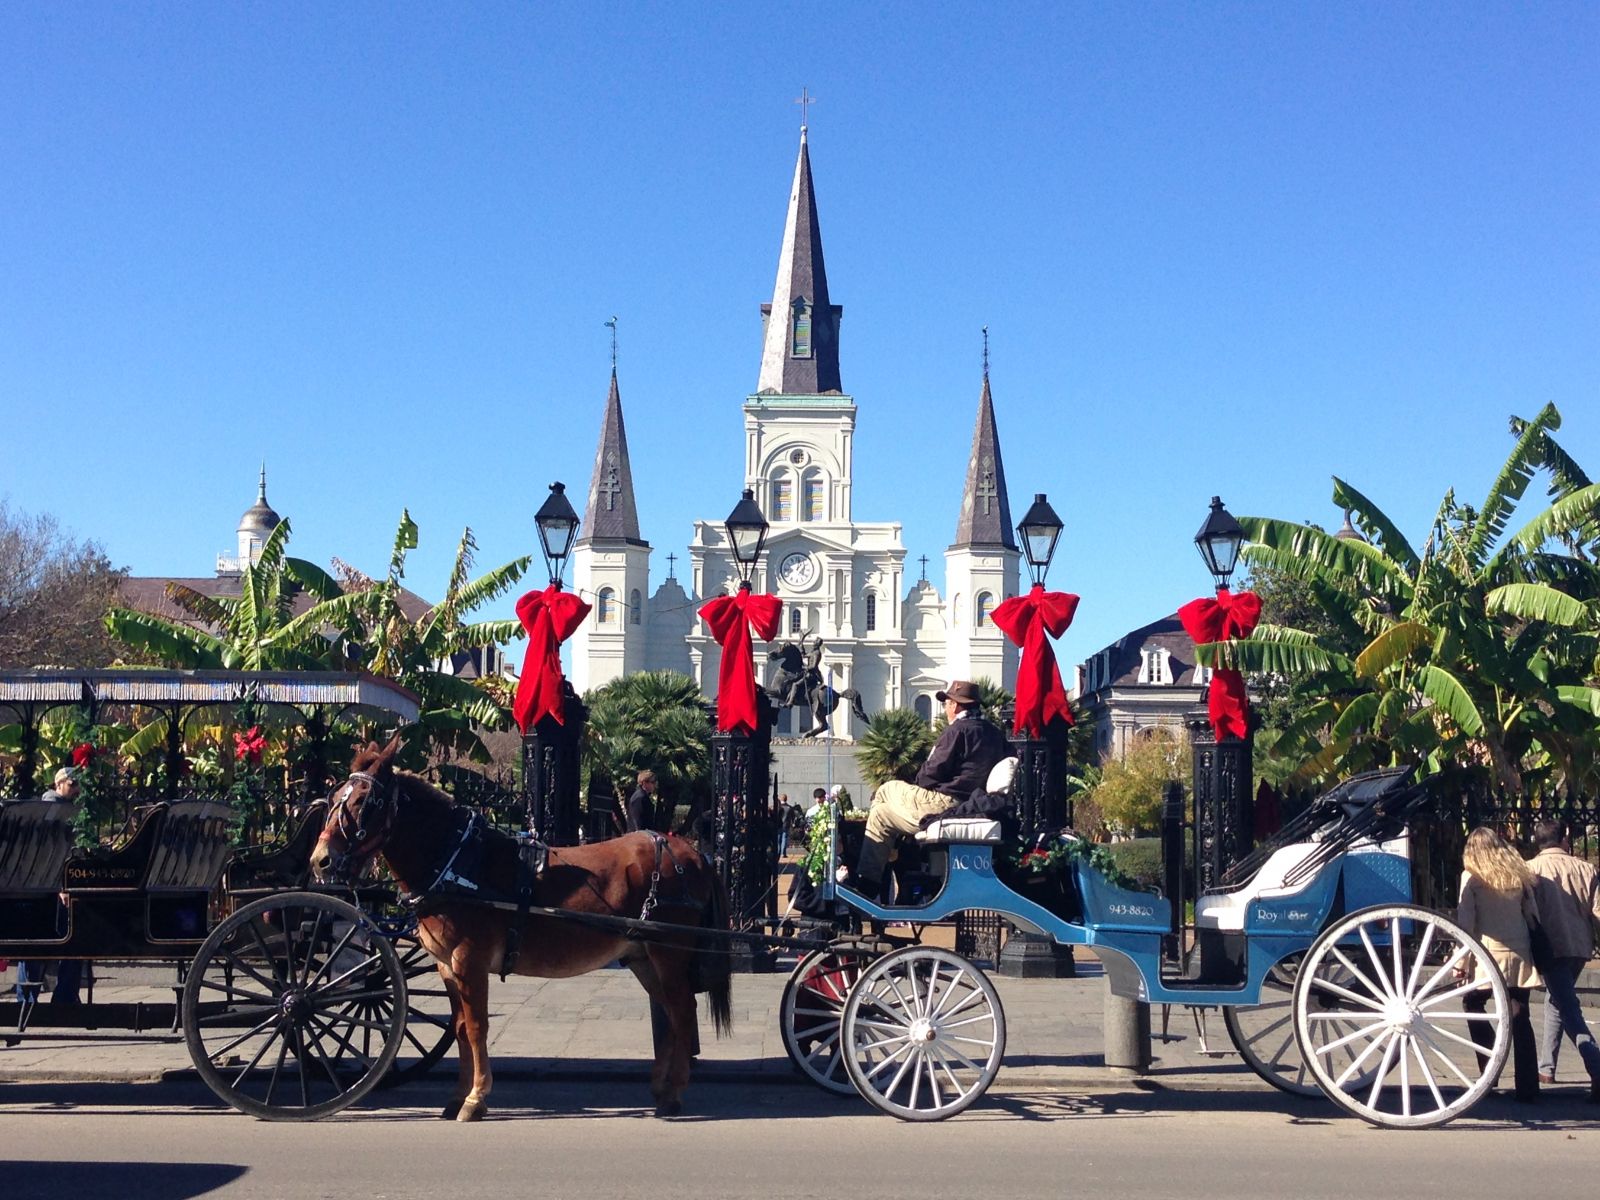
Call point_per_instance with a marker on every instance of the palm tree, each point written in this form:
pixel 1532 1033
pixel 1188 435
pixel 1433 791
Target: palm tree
pixel 655 720
pixel 1477 652
pixel 894 746
pixel 416 653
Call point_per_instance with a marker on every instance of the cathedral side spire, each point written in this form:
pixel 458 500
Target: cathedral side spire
pixel 800 348
pixel 611 515
pixel 985 510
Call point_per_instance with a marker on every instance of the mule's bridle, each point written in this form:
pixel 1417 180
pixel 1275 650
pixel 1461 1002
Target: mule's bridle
pixel 359 844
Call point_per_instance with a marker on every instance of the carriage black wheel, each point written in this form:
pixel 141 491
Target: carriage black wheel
pixel 429 1034
pixel 811 1010
pixel 294 1007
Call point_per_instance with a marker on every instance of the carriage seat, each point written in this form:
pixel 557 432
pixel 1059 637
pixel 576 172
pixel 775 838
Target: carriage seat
pixel 35 841
pixel 186 864
pixel 960 831
pixel 122 869
pixel 1227 910
pixel 280 867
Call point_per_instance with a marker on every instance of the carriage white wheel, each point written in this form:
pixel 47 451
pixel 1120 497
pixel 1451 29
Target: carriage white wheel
pixel 1402 1032
pixel 1264 1033
pixel 924 1034
pixel 811 1011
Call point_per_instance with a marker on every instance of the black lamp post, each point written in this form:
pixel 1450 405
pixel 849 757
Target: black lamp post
pixel 558 529
pixel 747 535
pixel 1039 787
pixel 551 748
pixel 1040 529
pixel 1219 541
pixel 1223 802
pixel 741 775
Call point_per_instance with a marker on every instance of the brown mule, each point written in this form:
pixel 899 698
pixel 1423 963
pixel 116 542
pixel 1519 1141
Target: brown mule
pixel 412 824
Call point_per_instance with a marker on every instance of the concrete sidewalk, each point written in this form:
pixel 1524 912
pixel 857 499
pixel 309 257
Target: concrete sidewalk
pixel 598 1026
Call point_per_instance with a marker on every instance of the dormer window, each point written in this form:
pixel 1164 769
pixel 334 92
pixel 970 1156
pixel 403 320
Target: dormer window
pixel 802 329
pixel 1154 667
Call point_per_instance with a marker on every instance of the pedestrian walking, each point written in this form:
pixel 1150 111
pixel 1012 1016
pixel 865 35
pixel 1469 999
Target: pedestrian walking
pixel 1568 892
pixel 1499 908
pixel 642 804
pixel 68 971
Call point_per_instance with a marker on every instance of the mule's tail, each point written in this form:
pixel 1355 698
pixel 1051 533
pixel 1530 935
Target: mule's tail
pixel 713 962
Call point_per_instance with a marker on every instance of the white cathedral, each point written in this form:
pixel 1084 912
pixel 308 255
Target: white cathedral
pixel 896 642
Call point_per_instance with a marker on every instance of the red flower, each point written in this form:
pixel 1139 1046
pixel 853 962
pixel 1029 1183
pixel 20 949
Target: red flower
pixel 81 754
pixel 249 745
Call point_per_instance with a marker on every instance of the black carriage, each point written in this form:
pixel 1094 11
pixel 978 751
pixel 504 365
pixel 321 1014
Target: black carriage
pixel 293 1002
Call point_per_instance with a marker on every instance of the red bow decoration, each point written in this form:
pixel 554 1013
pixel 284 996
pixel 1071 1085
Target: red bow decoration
pixel 249 745
pixel 82 754
pixel 550 617
pixel 731 619
pixel 1217 620
pixel 1026 620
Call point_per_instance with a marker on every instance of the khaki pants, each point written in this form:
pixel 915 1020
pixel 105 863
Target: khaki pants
pixel 897 808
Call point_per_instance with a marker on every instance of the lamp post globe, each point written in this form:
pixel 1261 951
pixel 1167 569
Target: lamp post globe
pixel 747 534
pixel 1039 528
pixel 1219 541
pixel 558 529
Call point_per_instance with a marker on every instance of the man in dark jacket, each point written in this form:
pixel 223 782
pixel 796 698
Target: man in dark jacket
pixel 642 804
pixel 960 763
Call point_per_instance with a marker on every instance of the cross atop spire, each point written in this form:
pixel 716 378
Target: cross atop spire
pixel 800 345
pixel 612 325
pixel 985 510
pixel 805 101
pixel 611 515
pixel 261 493
pixel 924 561
pixel 986 354
pixel 672 566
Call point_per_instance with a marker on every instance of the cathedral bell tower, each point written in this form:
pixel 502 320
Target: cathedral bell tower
pixel 610 564
pixel 982 567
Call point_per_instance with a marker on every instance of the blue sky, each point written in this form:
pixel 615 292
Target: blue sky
pixel 1220 248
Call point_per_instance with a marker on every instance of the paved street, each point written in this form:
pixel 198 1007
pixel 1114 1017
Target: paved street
pixel 169 1141
pixel 569 1117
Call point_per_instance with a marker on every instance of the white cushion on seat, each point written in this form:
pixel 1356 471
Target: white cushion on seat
pixel 1226 910
pixel 1001 775
pixel 961 829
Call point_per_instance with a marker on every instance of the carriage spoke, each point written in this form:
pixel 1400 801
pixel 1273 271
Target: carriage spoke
pixel 278 980
pixel 1441 973
pixel 248 1014
pixel 928 1008
pixel 1427 1073
pixel 915 1063
pixel 261 1053
pixel 1462 990
pixel 333 957
pixel 1378 969
pixel 1383 1070
pixel 1339 1043
pixel 1466 1043
pixel 233 992
pixel 238 964
pixel 933 1084
pixel 1426 1038
pixel 888 1060
pixel 1345 993
pixel 277 1069
pixel 1420 962
pixel 1355 1063
pixel 304 974
pixel 1374 992
pixel 244 1037
pixel 975 996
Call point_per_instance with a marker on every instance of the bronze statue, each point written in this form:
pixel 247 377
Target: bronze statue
pixel 798 682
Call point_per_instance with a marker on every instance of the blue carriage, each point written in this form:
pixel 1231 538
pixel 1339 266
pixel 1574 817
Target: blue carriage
pixel 1331 977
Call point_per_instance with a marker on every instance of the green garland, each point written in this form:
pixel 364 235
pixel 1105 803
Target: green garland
pixel 815 863
pixel 1059 855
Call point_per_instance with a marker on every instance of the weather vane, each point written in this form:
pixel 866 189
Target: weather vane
pixel 805 101
pixel 612 325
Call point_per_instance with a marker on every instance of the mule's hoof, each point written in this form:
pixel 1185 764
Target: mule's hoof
pixel 450 1111
pixel 472 1110
pixel 669 1108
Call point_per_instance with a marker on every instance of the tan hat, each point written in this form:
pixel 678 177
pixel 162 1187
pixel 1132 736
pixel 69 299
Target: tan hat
pixel 961 691
pixel 65 773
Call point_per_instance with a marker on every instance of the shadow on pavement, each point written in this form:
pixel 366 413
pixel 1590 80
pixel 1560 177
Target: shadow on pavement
pixel 44 1180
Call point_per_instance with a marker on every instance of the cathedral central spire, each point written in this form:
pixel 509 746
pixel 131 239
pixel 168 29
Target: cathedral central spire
pixel 611 515
pixel 985 510
pixel 800 349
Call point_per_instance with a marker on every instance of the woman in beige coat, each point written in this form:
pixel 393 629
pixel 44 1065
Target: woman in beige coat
pixel 1498 908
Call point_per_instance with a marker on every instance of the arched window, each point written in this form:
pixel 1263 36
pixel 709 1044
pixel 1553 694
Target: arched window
pixel 794 618
pixel 870 604
pixel 811 498
pixel 605 607
pixel 981 609
pixel 958 609
pixel 924 707
pixel 635 607
pixel 783 498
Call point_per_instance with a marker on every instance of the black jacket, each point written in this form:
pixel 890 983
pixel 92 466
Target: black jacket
pixel 641 811
pixel 963 757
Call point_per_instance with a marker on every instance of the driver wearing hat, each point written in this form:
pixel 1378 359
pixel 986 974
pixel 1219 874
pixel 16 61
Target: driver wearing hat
pixel 961 760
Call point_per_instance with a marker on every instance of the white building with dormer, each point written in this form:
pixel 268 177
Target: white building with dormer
pixel 895 641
